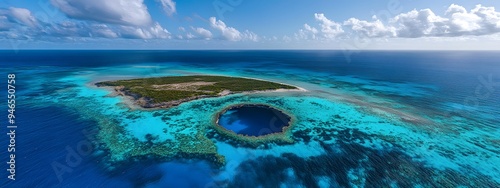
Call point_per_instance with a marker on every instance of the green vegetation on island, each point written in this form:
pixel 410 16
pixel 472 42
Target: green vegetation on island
pixel 171 91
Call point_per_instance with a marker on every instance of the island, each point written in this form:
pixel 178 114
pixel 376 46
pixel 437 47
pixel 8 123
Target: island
pixel 166 92
pixel 260 123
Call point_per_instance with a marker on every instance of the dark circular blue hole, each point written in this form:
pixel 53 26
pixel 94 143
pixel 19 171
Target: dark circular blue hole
pixel 254 120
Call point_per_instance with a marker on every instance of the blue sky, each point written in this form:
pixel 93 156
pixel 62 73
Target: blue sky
pixel 250 24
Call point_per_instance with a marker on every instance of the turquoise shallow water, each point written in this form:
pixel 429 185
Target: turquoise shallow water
pixel 351 129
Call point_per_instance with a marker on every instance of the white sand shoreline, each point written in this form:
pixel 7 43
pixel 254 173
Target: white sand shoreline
pixel 277 90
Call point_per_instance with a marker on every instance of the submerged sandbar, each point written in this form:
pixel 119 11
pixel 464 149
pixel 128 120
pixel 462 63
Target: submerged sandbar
pixel 165 92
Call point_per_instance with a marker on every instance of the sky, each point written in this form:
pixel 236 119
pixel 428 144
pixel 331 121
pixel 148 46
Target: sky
pixel 250 24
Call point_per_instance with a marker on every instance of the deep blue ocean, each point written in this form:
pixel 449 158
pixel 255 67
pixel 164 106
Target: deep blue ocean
pixel 435 113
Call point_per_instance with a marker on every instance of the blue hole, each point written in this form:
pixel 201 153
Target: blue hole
pixel 254 120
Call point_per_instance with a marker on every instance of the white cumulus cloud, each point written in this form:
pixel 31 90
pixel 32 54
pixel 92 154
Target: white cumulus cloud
pixel 79 29
pixel 17 22
pixel 329 28
pixel 420 23
pixel 155 31
pixel 479 21
pixel 310 29
pixel 230 33
pixel 103 30
pixel 371 29
pixel 457 21
pixel 190 36
pixel 251 36
pixel 23 16
pixel 168 6
pixel 16 16
pixel 124 12
pixel 308 32
pixel 204 33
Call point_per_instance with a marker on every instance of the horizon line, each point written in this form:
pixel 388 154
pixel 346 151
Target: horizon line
pixel 108 49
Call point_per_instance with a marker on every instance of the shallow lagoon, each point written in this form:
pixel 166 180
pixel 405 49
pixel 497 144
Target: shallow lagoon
pixel 351 128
